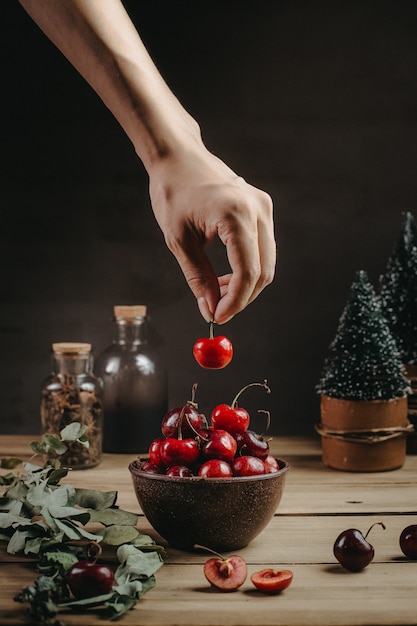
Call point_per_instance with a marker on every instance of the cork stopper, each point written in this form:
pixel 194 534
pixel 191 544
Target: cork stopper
pixel 71 348
pixel 130 312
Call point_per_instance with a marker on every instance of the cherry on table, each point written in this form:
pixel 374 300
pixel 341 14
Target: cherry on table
pixel 88 579
pixel 224 574
pixel 272 581
pixel 352 550
pixel 408 541
pixel 213 352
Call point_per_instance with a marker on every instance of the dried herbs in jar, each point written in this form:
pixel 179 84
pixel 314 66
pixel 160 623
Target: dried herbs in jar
pixel 73 394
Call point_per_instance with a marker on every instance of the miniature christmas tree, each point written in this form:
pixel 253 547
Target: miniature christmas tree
pixel 363 362
pixel 398 291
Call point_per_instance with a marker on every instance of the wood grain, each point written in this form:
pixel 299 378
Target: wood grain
pixel 318 503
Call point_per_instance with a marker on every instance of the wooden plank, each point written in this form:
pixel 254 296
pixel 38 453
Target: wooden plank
pixel 381 595
pixel 317 505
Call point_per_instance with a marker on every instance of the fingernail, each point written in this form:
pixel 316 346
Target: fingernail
pixel 204 309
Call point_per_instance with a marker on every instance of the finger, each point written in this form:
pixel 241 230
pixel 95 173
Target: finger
pixel 268 256
pixel 198 273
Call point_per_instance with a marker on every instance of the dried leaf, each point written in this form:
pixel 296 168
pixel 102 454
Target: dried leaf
pixel 91 499
pixel 10 462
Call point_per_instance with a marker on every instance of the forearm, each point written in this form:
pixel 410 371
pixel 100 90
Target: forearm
pixel 100 41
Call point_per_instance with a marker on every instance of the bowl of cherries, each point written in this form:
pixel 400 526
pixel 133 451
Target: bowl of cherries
pixel 210 484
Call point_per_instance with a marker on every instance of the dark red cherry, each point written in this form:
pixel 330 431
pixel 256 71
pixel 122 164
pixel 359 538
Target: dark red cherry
pixel 352 550
pixel 185 418
pixel 250 443
pixel 179 470
pixel 150 468
pixel 87 580
pixel 408 541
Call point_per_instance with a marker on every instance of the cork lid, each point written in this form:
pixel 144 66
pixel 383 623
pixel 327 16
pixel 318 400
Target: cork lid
pixel 130 312
pixel 72 348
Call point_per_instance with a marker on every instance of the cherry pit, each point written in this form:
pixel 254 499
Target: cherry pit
pixel 224 448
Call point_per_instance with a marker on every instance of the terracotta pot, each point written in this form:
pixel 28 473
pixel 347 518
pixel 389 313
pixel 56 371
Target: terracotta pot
pixel 363 436
pixel 412 408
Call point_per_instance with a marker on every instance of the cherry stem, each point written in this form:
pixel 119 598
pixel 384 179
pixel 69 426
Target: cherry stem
pixel 211 329
pixel 93 550
pixel 376 524
pixel 268 420
pixel 264 385
pixel 192 402
pixel 197 546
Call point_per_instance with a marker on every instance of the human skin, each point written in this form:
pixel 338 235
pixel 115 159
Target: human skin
pixel 195 196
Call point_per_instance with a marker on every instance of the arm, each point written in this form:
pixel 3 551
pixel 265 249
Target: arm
pixel 195 196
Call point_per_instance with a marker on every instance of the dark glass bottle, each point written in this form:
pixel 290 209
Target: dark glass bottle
pixel 73 394
pixel 133 372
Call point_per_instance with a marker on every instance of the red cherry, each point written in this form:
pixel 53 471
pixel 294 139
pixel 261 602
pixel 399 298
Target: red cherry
pixel 213 352
pixel 87 580
pixel 220 445
pixel 271 465
pixel 150 468
pixel 249 443
pixel 272 581
pixel 187 418
pixel 225 574
pixel 215 468
pixel 248 466
pixel 352 550
pixel 179 451
pixel 233 418
pixel 154 452
pixel 179 470
pixel 408 541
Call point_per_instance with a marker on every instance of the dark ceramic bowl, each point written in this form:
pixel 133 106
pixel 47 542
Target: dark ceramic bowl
pixel 219 513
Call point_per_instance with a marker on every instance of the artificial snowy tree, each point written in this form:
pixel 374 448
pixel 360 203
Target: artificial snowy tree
pixel 363 362
pixel 363 389
pixel 398 291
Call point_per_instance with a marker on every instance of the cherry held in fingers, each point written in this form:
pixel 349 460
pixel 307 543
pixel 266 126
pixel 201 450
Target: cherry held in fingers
pixel 272 581
pixel 213 352
pixel 225 574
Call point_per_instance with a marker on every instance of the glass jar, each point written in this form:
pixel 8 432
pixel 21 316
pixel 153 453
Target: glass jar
pixel 134 376
pixel 72 393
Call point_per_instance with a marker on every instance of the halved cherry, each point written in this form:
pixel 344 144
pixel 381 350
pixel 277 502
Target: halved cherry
pixel 225 574
pixel 272 581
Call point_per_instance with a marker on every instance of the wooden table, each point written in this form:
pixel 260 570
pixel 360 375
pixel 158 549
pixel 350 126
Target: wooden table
pixel 318 503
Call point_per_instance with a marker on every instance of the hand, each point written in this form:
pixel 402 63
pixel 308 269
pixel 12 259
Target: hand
pixel 195 198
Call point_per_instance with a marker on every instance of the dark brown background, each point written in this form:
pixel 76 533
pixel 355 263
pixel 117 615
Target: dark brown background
pixel 316 102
